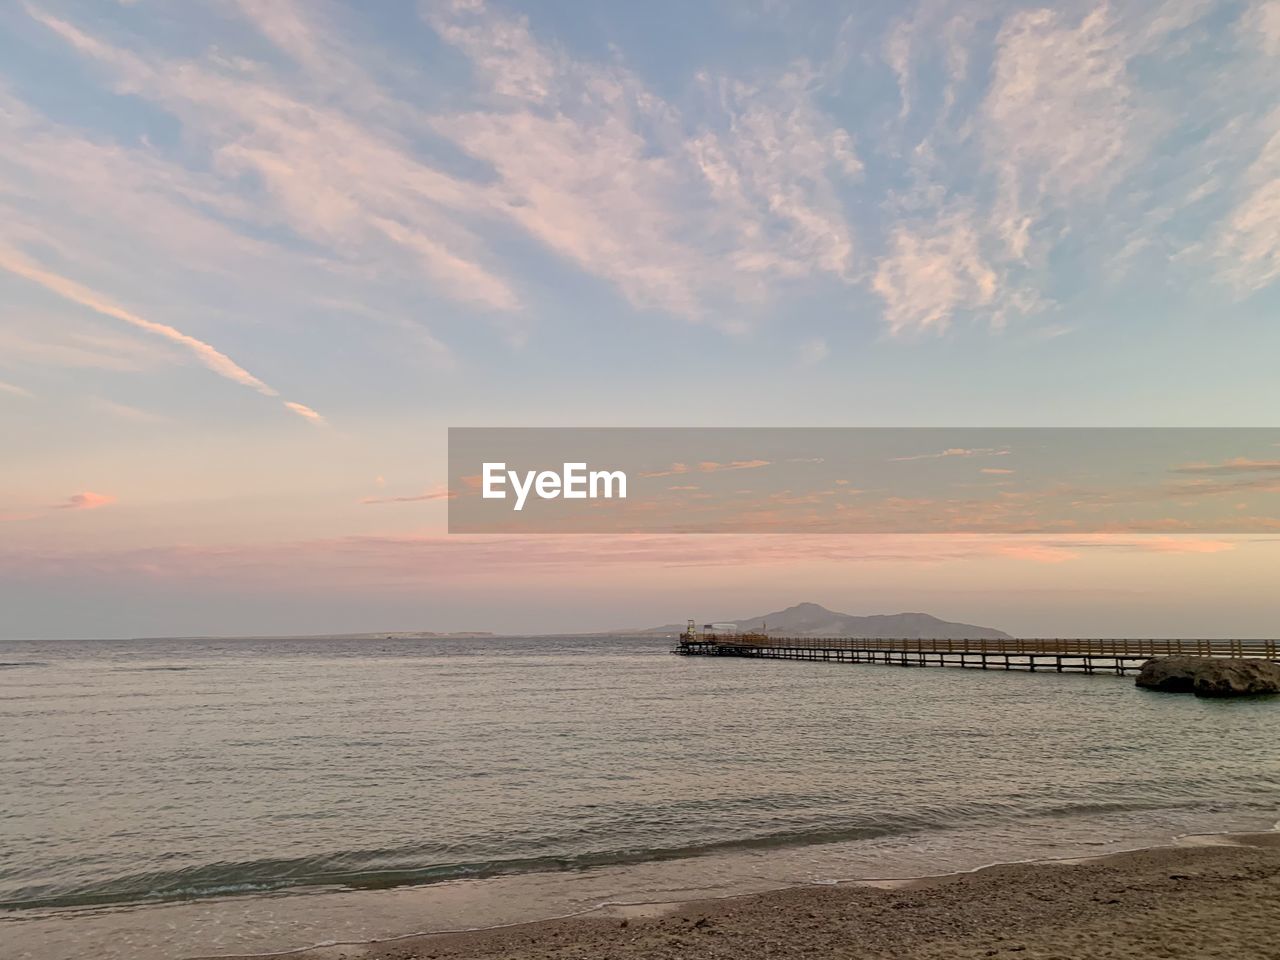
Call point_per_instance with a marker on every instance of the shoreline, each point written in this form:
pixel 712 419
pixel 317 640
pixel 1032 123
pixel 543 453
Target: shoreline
pixel 1027 901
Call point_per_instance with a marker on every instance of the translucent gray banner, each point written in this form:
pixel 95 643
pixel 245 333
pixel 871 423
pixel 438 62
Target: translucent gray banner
pixel 864 480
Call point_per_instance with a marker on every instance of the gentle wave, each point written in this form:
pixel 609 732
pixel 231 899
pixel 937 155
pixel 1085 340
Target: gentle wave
pixel 358 870
pixel 408 865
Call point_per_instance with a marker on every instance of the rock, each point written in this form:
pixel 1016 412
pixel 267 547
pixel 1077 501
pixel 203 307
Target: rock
pixel 1238 678
pixel 1170 674
pixel 1210 676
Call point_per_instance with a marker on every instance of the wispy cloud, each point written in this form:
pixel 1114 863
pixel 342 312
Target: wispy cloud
pixel 302 410
pixel 47 341
pixel 683 215
pixel 686 209
pixel 208 355
pixel 956 452
pixel 933 271
pixel 675 470
pixel 708 466
pixel 13 390
pixel 125 411
pixel 776 159
pixel 1070 136
pixel 707 196
pixel 1248 243
pixel 440 492
pixel 1245 247
pixel 327 173
pixel 1060 117
pixel 1234 465
pixel 214 359
pixel 1263 22
pixel 713 466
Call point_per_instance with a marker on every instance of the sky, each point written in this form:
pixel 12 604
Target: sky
pixel 256 256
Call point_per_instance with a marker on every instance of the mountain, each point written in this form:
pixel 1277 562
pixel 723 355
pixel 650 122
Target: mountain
pixel 812 620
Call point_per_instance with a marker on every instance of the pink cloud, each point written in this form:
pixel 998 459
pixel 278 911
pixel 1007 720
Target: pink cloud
pixel 408 561
pixel 302 410
pixel 1038 552
pixel 954 452
pixel 1234 465
pixel 440 492
pixel 85 501
pixel 710 466
pixel 1189 545
pixel 675 470
pixel 10 517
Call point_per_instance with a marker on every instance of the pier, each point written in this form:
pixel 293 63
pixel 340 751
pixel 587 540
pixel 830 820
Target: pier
pixel 1076 655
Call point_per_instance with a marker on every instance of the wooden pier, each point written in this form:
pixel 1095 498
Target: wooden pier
pixel 1083 656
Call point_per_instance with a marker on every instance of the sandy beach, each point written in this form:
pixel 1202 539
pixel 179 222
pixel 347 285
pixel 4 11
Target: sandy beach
pixel 1196 901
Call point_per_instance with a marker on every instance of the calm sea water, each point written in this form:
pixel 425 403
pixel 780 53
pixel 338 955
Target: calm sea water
pixel 166 798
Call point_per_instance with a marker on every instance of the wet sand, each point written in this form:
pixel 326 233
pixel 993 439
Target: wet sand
pixel 1219 899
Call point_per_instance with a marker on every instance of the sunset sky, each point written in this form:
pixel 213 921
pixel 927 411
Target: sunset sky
pixel 256 257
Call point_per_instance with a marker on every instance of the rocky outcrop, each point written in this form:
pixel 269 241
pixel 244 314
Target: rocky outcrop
pixel 1237 678
pixel 1170 674
pixel 1211 676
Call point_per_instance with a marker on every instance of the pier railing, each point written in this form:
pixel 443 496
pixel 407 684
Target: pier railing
pixel 1127 648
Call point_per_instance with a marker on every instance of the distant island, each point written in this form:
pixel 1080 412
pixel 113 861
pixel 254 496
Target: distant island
pixel 428 635
pixel 813 620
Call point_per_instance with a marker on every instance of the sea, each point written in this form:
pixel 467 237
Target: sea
pixel 171 798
